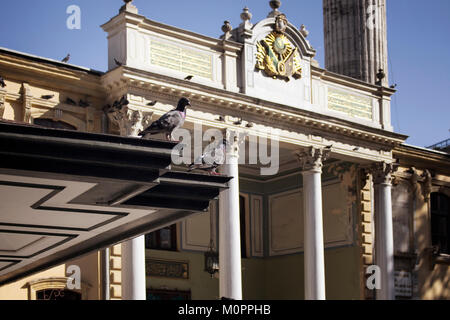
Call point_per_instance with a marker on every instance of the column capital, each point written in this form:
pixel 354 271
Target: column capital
pixel 129 121
pixel 382 172
pixel 312 158
pixel 233 141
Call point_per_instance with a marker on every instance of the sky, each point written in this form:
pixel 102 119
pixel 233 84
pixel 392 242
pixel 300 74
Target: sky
pixel 418 41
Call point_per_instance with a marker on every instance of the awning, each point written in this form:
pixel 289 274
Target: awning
pixel 67 193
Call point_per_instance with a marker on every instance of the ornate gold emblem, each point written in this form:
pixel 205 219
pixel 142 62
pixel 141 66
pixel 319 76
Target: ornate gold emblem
pixel 276 55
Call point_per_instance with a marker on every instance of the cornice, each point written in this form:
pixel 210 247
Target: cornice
pixel 172 32
pixel 23 69
pixel 221 101
pixel 337 78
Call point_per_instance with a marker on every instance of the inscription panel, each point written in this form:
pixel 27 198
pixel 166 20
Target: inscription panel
pixel 178 58
pixel 352 105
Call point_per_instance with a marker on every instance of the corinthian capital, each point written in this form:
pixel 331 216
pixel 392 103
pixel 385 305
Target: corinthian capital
pixel 130 122
pixel 382 172
pixel 312 158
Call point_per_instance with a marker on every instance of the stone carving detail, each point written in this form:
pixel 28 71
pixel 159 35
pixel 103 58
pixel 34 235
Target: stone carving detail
pixel 2 101
pixel 27 99
pixel 414 179
pixel 234 140
pixel 427 184
pixel 129 121
pixel 313 158
pixel 276 55
pixel 382 172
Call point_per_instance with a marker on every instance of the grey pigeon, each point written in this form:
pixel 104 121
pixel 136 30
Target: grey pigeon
pixel 70 101
pixel 48 97
pixel 169 122
pixel 2 82
pixel 118 63
pixel 213 157
pixel 153 103
pixel 66 59
pixel 84 104
pixel 189 78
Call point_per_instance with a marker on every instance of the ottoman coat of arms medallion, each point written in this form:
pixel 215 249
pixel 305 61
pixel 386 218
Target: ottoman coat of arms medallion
pixel 276 55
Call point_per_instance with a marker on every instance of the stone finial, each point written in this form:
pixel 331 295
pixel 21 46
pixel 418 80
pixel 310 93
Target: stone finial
pixel 226 28
pixel 246 15
pixel 128 7
pixel 380 76
pixel 303 31
pixel 245 28
pixel 275 5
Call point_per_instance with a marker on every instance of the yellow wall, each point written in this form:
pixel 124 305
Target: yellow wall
pixel 19 290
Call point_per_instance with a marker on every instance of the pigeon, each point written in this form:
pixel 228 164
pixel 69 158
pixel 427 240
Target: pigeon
pixel 2 82
pixel 66 59
pixel 394 86
pixel 118 63
pixel 169 122
pixel 123 102
pixel 213 157
pixel 189 78
pixel 70 101
pixel 250 125
pixel 48 97
pixel 238 123
pixel 221 118
pixel 152 103
pixel 83 104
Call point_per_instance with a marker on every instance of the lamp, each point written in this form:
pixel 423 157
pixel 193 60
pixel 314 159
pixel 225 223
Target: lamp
pixel 211 260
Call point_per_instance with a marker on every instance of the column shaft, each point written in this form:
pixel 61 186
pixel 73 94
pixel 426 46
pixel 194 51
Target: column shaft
pixel 384 233
pixel 133 269
pixel 314 247
pixel 230 235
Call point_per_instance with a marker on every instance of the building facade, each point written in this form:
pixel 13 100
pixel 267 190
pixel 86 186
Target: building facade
pixel 344 192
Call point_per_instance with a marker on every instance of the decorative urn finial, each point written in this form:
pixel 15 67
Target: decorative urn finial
pixel 246 15
pixel 275 5
pixel 227 26
pixel 303 31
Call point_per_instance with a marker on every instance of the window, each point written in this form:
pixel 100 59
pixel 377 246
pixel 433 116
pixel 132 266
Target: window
pixel 440 222
pixel 57 294
pixel 163 239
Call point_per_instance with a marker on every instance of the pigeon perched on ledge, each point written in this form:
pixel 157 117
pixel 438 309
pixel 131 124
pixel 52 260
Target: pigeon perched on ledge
pixel 214 157
pixel 66 59
pixel 169 122
pixel 2 82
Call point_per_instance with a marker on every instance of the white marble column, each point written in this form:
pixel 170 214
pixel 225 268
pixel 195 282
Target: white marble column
pixel 229 228
pixel 384 234
pixel 312 160
pixel 133 269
